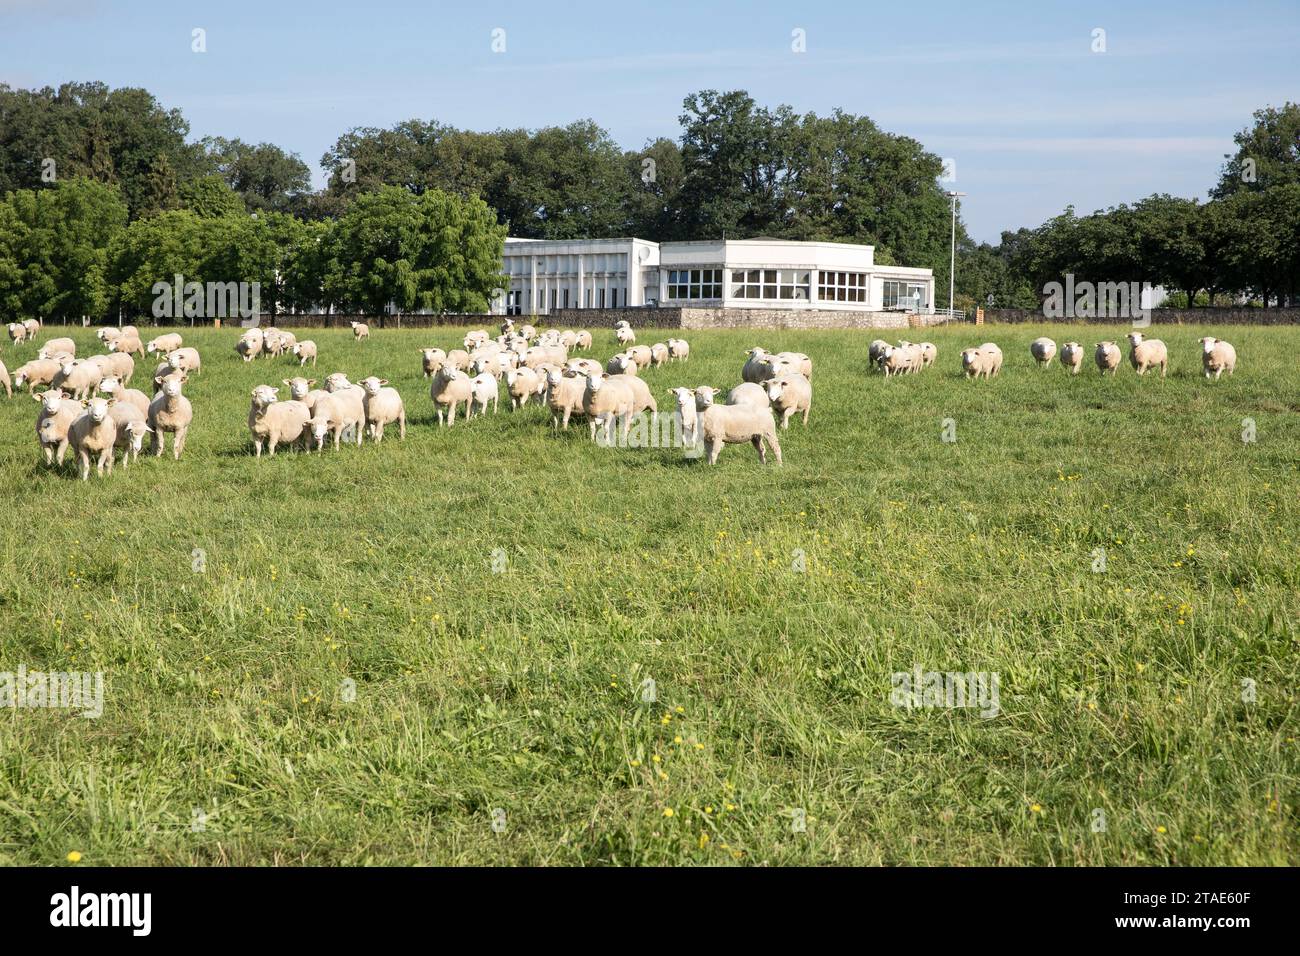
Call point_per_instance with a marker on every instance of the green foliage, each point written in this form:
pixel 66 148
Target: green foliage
pixel 265 176
pixel 434 251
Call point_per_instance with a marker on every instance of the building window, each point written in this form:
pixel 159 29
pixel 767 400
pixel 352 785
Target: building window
pixel 695 283
pixel 613 298
pixel 842 286
pixel 770 284
pixel 566 297
pixel 602 298
pixel 904 295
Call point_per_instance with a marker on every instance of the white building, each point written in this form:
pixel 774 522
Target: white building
pixel 547 275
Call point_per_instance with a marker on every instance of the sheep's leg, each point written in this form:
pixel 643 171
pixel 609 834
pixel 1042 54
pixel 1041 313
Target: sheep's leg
pixel 776 447
pixel 63 450
pixel 806 410
pixel 84 457
pixel 106 460
pixel 785 417
pixel 48 452
pixel 272 442
pixel 757 442
pixel 714 446
pixel 257 447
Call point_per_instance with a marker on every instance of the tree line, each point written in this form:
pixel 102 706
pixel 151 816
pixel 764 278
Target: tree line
pixel 105 195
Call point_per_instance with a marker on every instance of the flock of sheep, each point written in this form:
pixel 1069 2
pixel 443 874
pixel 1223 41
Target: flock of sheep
pixel 985 361
pixel 88 406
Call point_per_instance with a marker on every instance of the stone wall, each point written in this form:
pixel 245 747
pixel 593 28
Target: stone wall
pixel 1216 315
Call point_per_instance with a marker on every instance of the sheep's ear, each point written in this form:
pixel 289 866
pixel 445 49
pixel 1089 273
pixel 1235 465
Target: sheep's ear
pixel 383 381
pixel 285 381
pixel 147 428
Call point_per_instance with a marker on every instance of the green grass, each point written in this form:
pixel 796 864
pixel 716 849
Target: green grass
pixel 1120 691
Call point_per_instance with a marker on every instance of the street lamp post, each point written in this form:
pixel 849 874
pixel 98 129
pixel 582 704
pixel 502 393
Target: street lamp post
pixel 952 263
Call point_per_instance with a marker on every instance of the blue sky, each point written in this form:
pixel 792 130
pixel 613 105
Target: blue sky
pixel 1011 91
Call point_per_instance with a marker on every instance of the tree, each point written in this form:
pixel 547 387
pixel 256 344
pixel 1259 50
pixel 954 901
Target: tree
pixel 264 176
pixel 209 197
pixel 1268 153
pixel 434 251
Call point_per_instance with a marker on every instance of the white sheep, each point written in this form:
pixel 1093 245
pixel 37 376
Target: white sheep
pixel 1042 349
pixel 114 388
pixel 584 366
pixel 705 395
pixel 4 380
pixel 273 422
pixel 801 362
pixel 522 384
pixel 57 412
pixel 78 378
pixel 56 347
pixel 431 360
pixel 128 341
pixel 383 406
pixel 756 368
pixel 93 435
pixel 624 335
pixel 789 395
pixel 679 350
pixel 36 372
pixel 643 355
pixel 981 363
pixel 162 344
pixel 250 345
pixel 306 349
pixel 582 340
pixel 117 364
pixel 185 360
pixel 17 332
pixel 485 390
pixel 450 387
pixel 301 390
pixel 1107 356
pixel 1147 353
pixel 132 425
pixel 1217 357
pixel 687 413
pixel 170 412
pixel 606 399
pixel 564 396
pixel 360 331
pixel 620 363
pixel 1072 357
pixel 749 393
pixel 732 424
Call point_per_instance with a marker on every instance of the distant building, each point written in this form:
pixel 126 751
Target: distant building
pixel 547 275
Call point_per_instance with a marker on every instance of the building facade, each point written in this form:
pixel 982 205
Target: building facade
pixel 549 275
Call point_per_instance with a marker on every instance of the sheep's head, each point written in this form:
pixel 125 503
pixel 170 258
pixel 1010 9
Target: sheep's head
pixel 51 400
pixel 151 347
pixel 1134 338
pixel 354 325
pixel 775 387
pixel 96 408
pixel 704 395
pixel 136 430
pixel 968 357
pixel 66 362
pixel 1208 343
pixel 176 361
pixel 685 397
pixel 553 377
pixel 594 382
pixel 336 381
pixel 320 428
pixel 757 354
pixel 372 385
pixel 109 384
pixel 263 395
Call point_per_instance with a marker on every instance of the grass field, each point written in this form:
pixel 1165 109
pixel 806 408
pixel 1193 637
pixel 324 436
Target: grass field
pixel 770 607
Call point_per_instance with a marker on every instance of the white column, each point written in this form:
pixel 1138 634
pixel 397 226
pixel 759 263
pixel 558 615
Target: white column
pixel 532 287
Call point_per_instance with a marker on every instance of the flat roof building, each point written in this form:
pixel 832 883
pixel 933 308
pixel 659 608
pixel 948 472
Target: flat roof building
pixel 547 275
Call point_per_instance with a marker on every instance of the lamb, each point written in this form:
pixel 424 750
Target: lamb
pixel 1072 357
pixel 163 344
pixel 621 364
pixel 306 349
pixel 450 388
pixel 980 362
pixel 94 434
pixel 733 424
pixel 704 396
pixel 17 332
pixel 360 330
pixel 929 354
pixel 522 384
pixel 789 395
pixel 132 426
pixel 749 393
pixel 336 414
pixel 431 360
pixel 582 340
pixel 584 366
pixel 526 332
pixel 1147 353
pixel 993 350
pixel 60 346
pixel 52 421
pixel 564 395
pixel 185 360
pixel 128 341
pixel 273 422
pixel 1217 356
pixel 475 339
pixel 687 413
pixel 77 378
pixel 170 411
pixel 903 360
pixel 1042 349
pixel 568 338
pixel 108 336
pixel 350 401
pixel 641 354
pixel 33 326
pixel 35 372
pixel 485 390
pixel 756 368
pixel 606 399
pixel 113 387
pixel 1107 358
pixel 624 335
pixel 250 344
pixel 679 350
